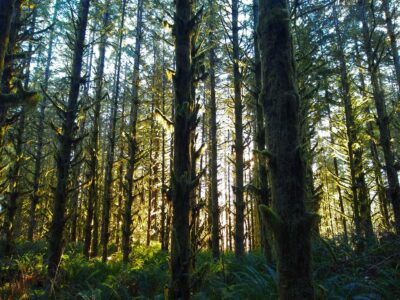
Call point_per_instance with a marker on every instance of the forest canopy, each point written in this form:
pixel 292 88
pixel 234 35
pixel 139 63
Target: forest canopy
pixel 199 149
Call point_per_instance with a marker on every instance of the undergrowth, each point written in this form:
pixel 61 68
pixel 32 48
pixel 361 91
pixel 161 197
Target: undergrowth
pixel 339 273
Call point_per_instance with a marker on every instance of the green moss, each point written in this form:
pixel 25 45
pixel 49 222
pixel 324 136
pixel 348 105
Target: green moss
pixel 270 218
pixel 20 97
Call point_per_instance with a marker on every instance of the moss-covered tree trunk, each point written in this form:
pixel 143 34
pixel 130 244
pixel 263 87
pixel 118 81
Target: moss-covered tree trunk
pixel 185 121
pixel 65 143
pixel 261 168
pixel 290 223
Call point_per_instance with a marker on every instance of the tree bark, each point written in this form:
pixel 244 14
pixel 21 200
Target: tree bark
pixel 213 138
pixel 93 172
pixel 239 166
pixel 65 143
pixel 288 219
pixel 262 173
pixel 185 121
pixel 132 142
pixel 40 131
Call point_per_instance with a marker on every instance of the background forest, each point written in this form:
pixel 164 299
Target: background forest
pixel 140 156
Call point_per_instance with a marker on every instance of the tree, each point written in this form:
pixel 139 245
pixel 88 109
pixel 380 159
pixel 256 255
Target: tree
pixel 287 218
pixel 213 137
pixel 185 121
pixel 383 118
pixel 261 177
pixel 238 188
pixel 65 143
pixel 132 139
pixel 93 173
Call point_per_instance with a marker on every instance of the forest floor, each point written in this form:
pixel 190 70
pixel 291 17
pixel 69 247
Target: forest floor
pixel 339 273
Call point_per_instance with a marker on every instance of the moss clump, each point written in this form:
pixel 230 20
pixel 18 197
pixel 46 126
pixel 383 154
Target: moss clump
pixel 19 97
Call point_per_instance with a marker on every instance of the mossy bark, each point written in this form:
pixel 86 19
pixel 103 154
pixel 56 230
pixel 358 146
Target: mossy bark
pixel 287 219
pixel 65 143
pixel 185 121
pixel 263 196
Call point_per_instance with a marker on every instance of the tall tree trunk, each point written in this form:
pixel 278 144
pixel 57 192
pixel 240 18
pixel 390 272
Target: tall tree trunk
pixel 383 118
pixel 164 196
pixel 382 197
pixel 262 173
pixel 239 166
pixel 185 119
pixel 132 142
pixel 336 172
pixel 40 130
pixel 213 138
pixel 93 173
pixel 10 71
pixel 288 219
pixel 361 205
pixel 65 143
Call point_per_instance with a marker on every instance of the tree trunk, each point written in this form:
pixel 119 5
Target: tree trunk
pixel 239 166
pixel 132 142
pixel 40 131
pixel 185 119
pixel 65 143
pixel 93 173
pixel 288 219
pixel 7 12
pixel 35 198
pixel 14 186
pixel 262 173
pixel 361 204
pixel 337 175
pixel 213 138
pixel 164 196
pixel 383 203
pixel 383 118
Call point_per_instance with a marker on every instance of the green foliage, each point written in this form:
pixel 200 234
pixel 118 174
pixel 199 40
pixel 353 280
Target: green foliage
pixel 373 275
pixel 232 278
